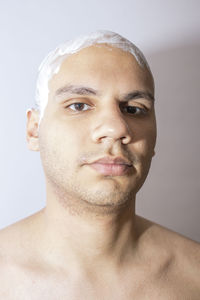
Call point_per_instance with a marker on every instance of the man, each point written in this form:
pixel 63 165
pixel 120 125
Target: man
pixel 96 131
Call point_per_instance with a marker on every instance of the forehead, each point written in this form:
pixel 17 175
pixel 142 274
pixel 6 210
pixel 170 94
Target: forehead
pixel 100 66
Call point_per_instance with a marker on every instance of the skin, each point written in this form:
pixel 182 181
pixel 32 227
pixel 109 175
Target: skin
pixel 88 243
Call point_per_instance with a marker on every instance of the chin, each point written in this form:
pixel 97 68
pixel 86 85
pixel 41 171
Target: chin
pixel 108 196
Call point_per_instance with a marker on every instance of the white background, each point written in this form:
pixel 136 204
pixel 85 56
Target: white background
pixel 168 32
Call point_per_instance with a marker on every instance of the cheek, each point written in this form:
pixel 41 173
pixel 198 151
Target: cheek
pixel 144 149
pixel 61 140
pixel 145 138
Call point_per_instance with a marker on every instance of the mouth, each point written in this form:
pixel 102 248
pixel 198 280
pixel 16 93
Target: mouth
pixel 112 166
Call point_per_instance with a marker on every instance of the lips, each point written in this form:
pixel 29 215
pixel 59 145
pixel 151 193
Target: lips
pixel 111 166
pixel 116 160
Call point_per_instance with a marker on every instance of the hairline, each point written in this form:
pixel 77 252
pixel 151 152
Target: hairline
pixel 53 61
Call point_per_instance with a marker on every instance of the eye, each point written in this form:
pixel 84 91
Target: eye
pixel 79 106
pixel 134 110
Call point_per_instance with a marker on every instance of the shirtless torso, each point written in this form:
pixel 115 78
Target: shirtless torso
pixel 167 267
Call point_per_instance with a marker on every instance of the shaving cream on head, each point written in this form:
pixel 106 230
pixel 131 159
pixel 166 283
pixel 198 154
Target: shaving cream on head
pixel 52 62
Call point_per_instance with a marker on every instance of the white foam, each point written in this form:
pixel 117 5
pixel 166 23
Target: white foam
pixel 52 62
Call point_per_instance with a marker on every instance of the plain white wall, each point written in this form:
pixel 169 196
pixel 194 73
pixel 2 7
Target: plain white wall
pixel 168 32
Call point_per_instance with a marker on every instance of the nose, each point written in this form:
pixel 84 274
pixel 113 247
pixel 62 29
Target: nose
pixel 111 125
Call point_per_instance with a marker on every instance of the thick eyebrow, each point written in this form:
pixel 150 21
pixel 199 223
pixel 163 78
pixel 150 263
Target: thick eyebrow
pixel 136 95
pixel 83 90
pixel 76 89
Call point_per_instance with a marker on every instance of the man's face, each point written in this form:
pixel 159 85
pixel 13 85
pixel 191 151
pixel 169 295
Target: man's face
pixel 99 106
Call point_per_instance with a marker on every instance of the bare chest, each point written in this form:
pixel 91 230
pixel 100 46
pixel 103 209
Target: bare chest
pixel 23 286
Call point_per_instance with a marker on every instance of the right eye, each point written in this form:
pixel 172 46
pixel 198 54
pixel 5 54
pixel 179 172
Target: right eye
pixel 78 106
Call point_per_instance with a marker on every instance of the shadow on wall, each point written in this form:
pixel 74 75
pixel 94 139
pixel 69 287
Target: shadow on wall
pixel 171 195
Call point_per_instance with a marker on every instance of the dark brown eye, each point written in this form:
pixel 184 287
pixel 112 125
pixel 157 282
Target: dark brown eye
pixel 78 106
pixel 134 110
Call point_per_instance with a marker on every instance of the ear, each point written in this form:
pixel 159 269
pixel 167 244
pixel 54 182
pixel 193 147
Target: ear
pixel 32 129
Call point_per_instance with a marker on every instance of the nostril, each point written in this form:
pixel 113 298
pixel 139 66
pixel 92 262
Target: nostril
pixel 126 139
pixel 110 127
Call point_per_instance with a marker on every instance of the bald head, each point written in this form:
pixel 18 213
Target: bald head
pixel 53 62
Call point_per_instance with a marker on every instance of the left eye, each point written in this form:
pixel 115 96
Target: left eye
pixel 79 106
pixel 134 110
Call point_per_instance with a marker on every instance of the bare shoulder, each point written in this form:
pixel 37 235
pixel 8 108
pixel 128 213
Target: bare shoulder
pixel 182 254
pixel 10 249
pixel 16 239
pixel 17 249
pixel 169 237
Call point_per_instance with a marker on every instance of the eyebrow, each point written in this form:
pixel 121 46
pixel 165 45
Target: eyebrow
pixel 76 89
pixel 136 95
pixel 83 90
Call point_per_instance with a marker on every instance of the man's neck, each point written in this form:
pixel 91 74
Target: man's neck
pixel 88 241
